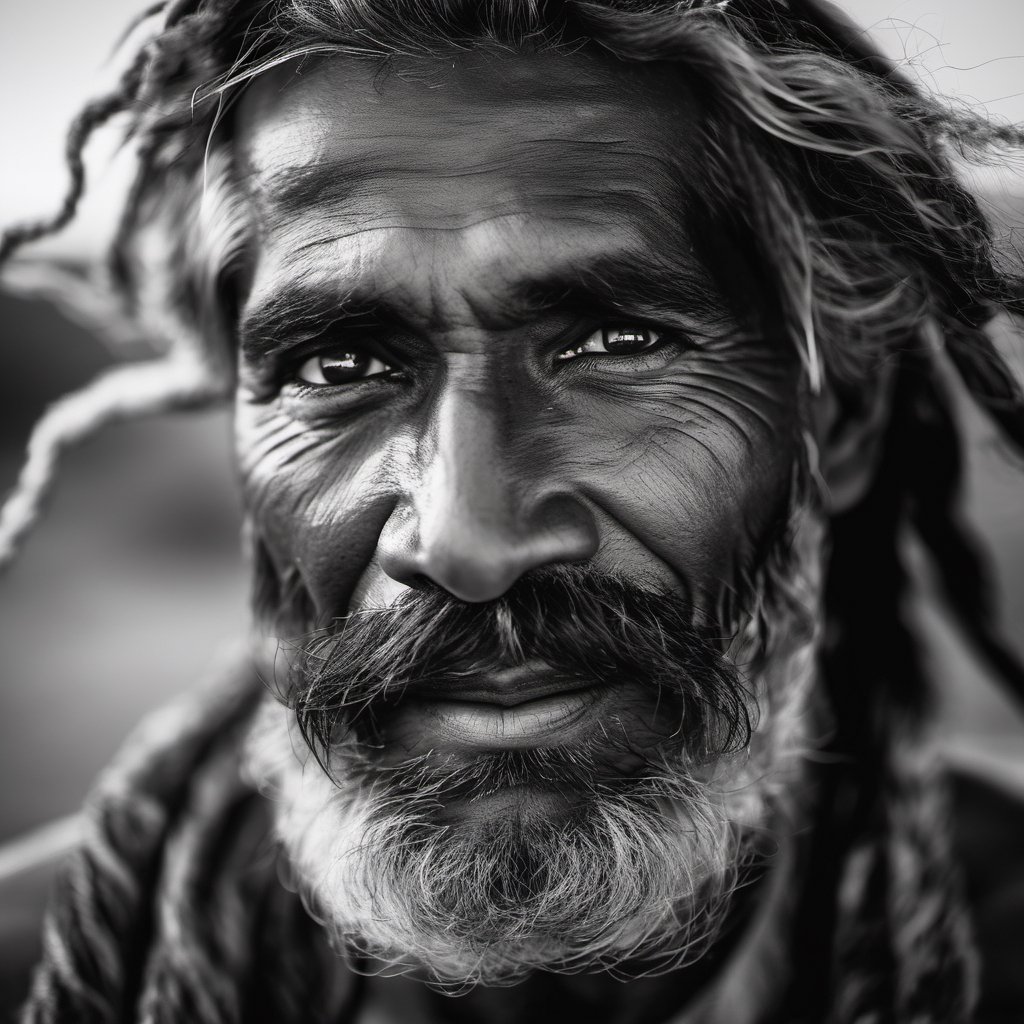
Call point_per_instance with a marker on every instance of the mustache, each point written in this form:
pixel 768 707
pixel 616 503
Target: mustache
pixel 593 628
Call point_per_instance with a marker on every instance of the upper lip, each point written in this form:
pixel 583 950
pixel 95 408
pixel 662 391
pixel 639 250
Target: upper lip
pixel 505 687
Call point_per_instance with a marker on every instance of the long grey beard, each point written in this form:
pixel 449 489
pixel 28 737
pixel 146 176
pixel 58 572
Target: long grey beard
pixel 643 875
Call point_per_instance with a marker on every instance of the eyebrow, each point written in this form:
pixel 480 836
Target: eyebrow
pixel 624 284
pixel 302 311
pixel 612 286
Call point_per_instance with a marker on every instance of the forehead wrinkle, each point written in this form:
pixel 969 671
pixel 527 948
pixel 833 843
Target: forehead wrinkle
pixel 327 138
pixel 618 175
pixel 540 170
pixel 320 233
pixel 340 104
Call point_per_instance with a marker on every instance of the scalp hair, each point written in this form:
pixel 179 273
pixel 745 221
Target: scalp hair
pixel 830 215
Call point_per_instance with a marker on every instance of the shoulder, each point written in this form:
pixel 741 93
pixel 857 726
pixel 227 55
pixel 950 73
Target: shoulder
pixel 28 868
pixel 988 808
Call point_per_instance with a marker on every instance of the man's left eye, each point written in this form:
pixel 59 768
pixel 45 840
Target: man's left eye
pixel 340 367
pixel 613 341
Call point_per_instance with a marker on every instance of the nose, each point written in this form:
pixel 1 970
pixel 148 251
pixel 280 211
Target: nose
pixel 475 521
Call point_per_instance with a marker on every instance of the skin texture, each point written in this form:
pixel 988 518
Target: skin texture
pixel 451 207
pixel 465 230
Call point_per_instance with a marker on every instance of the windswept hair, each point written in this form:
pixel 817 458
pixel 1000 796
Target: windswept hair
pixel 830 215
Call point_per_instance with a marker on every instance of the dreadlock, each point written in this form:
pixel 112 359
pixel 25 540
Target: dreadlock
pixel 830 181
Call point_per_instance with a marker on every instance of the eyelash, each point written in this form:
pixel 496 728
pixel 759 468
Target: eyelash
pixel 324 348
pixel 577 350
pixel 340 357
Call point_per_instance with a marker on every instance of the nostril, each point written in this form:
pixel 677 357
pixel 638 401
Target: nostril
pixel 475 550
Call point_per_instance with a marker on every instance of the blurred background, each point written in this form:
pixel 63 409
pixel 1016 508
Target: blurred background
pixel 132 583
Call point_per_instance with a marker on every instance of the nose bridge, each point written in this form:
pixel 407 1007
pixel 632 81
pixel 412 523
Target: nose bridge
pixel 465 480
pixel 473 520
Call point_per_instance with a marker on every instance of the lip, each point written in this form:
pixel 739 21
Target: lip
pixel 523 724
pixel 505 687
pixel 511 707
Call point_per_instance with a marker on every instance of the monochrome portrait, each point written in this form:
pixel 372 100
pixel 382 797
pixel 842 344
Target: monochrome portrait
pixel 515 513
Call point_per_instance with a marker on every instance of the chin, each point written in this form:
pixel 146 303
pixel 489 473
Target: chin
pixel 484 887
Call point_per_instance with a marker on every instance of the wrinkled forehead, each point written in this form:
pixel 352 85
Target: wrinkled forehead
pixel 445 143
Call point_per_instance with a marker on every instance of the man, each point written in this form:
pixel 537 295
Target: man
pixel 591 367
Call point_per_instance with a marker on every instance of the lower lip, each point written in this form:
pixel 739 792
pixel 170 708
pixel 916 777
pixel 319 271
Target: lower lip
pixel 522 725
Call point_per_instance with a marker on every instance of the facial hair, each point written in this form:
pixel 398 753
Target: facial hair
pixel 638 867
pixel 590 629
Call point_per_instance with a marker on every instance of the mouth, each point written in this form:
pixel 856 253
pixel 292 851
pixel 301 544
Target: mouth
pixel 510 708
pixel 507 687
pixel 527 723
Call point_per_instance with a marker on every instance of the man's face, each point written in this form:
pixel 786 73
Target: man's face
pixel 478 347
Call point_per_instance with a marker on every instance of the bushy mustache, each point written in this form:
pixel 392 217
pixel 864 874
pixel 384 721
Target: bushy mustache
pixel 595 628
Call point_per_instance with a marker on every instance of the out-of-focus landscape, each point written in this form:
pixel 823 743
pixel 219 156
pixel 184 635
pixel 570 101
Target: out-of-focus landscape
pixel 125 592
pixel 133 582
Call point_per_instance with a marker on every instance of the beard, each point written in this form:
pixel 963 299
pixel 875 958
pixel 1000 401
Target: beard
pixel 644 828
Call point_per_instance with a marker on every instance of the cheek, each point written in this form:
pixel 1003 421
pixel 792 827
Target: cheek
pixel 696 471
pixel 317 497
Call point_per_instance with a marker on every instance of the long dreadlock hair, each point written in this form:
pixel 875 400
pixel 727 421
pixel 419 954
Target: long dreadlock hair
pixel 830 182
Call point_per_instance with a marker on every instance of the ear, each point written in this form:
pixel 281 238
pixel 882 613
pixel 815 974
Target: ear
pixel 850 432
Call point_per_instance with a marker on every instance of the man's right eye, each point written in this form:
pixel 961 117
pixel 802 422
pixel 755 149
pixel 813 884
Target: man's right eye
pixel 340 366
